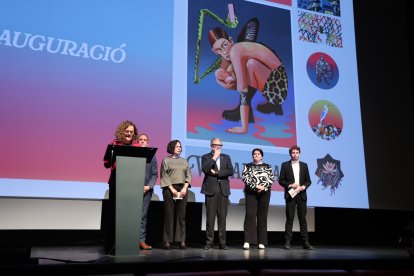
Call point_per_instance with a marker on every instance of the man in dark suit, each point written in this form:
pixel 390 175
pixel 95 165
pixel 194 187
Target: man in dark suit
pixel 217 168
pixel 294 177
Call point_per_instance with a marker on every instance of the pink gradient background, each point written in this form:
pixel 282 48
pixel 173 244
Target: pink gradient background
pixel 59 112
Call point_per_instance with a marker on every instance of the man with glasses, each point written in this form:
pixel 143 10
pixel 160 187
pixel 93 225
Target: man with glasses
pixel 217 167
pixel 151 174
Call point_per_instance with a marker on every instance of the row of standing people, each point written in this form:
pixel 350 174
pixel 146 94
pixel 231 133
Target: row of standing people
pixel 175 180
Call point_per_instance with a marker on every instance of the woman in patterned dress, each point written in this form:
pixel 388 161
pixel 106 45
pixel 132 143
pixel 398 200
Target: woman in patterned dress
pixel 258 178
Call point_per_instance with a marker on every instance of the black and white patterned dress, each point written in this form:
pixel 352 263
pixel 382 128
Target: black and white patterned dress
pixel 257 174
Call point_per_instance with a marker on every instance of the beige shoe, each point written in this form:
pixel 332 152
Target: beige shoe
pixel 246 246
pixel 261 246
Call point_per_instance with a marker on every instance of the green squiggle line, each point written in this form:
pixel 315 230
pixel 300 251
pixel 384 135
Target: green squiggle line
pixel 217 62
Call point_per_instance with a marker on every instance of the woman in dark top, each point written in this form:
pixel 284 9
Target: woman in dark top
pixel 125 134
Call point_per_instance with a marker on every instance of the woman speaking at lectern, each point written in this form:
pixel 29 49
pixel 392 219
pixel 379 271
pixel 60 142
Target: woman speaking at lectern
pixel 125 134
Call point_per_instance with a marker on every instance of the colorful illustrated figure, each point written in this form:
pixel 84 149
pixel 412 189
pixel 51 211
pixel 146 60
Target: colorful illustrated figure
pixel 314 5
pixel 335 4
pixel 323 70
pixel 325 120
pixel 329 173
pixel 320 29
pixel 321 6
pixel 324 112
pixel 245 66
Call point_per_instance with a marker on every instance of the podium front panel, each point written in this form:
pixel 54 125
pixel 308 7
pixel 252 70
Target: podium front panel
pixel 130 178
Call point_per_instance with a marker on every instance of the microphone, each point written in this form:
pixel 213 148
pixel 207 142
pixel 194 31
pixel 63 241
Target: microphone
pixel 115 142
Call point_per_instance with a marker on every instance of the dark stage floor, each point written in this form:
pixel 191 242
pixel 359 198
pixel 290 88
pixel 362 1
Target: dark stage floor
pixel 90 260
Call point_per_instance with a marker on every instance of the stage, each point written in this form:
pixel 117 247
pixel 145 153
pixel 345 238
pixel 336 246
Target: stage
pixel 91 260
pixel 345 240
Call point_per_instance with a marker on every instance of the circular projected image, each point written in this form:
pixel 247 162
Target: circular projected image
pixel 325 120
pixel 322 70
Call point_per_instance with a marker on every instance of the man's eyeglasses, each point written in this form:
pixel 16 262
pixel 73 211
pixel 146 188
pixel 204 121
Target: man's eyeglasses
pixel 216 145
pixel 142 139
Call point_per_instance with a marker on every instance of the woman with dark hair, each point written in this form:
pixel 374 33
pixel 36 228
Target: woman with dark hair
pixel 258 178
pixel 126 134
pixel 175 181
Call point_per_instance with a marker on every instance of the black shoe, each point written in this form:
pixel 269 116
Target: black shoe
pixel 207 247
pixel 307 246
pixel 268 108
pixel 234 114
pixel 223 246
pixel 286 246
pixel 167 246
pixel 183 246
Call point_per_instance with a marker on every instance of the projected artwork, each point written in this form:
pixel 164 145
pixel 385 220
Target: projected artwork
pixel 322 6
pixel 254 73
pixel 325 120
pixel 319 29
pixel 322 70
pixel 242 83
pixel 329 173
